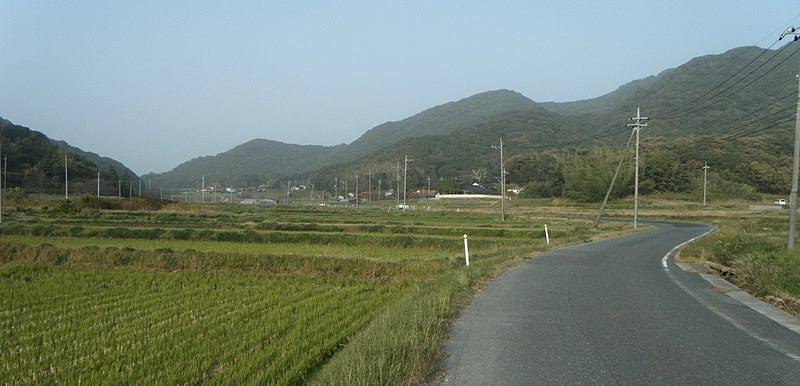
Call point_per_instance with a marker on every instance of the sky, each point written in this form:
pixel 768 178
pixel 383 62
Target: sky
pixel 156 83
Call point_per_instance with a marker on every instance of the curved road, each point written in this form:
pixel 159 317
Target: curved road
pixel 617 312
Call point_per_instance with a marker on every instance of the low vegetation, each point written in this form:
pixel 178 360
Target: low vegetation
pixel 247 294
pixel 297 294
pixel 751 251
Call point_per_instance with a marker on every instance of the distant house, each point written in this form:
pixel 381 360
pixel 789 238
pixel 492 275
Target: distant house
pixel 425 193
pixel 262 188
pixel 477 188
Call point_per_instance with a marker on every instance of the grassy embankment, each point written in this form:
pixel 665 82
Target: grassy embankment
pixel 750 244
pixel 237 294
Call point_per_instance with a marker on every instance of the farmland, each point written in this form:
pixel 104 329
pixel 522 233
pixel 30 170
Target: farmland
pixel 248 294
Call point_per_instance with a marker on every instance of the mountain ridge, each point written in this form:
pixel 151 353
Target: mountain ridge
pixel 435 120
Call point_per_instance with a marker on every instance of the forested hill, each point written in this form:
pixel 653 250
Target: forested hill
pixel 261 160
pixel 434 121
pixel 36 163
pixel 733 110
pixel 104 164
pixel 252 163
pixel 714 94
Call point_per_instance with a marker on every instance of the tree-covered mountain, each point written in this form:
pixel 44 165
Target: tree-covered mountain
pixel 33 162
pixel 743 97
pixel 103 164
pixel 601 103
pixel 435 121
pixel 733 110
pixel 260 160
pixel 252 163
pixel 456 154
pixel 714 94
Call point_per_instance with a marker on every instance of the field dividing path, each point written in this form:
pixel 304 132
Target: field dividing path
pixel 617 311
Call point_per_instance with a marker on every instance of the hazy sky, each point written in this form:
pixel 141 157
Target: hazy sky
pixel 156 83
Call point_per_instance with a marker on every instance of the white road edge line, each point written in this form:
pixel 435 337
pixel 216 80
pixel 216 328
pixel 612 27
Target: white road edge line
pixel 718 312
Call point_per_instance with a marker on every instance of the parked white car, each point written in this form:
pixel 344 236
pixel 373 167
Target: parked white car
pixel 779 202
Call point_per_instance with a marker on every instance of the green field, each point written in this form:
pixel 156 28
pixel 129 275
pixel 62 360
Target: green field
pixel 239 294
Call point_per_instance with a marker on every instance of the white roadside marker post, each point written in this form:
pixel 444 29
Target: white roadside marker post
pixel 466 250
pixel 546 234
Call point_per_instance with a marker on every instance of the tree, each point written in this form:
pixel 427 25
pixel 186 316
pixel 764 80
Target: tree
pixel 588 174
pixel 448 185
pixel 111 173
pixel 541 173
pixel 662 171
pixel 478 175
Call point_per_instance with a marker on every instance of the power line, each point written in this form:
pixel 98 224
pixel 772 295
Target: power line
pixel 691 103
pixel 765 126
pixel 775 122
pixel 691 106
pixel 775 32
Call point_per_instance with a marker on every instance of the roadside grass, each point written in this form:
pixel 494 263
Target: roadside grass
pixel 755 250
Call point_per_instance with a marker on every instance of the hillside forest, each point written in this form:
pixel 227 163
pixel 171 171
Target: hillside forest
pixel 733 112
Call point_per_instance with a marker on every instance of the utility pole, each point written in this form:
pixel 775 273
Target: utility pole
pixel 380 183
pixel 98 184
pixel 397 193
pixel 502 182
pixel 705 182
pixel 203 189
pixel 66 179
pixel 336 188
pixel 639 122
pixel 796 157
pixel 356 189
pixel 2 183
pixel 405 179
pixel 369 179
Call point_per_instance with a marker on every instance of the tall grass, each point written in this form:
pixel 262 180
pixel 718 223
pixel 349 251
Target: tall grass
pixel 755 249
pixel 403 346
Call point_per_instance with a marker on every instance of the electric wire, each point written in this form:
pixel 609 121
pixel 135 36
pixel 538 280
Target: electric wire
pixel 692 102
pixel 726 125
pixel 736 133
pixel 756 79
pixel 692 105
pixel 689 107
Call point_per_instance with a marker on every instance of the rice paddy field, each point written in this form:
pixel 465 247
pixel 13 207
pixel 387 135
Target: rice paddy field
pixel 191 294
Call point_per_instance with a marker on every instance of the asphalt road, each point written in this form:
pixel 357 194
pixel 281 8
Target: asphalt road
pixel 612 312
